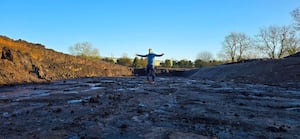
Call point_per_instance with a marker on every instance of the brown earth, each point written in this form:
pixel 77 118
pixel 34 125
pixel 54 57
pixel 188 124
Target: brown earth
pixel 24 62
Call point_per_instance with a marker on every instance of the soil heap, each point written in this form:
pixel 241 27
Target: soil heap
pixel 24 62
pixel 265 71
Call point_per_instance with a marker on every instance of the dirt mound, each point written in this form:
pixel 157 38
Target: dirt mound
pixel 24 62
pixel 266 71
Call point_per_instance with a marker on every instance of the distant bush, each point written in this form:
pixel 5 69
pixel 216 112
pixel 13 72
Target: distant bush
pixel 200 63
pixel 139 63
pixel 85 49
pixel 106 59
pixel 125 61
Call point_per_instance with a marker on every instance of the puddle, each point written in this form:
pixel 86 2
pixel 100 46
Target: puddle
pixel 107 81
pixel 162 79
pixel 294 109
pixel 121 89
pixel 43 94
pixel 293 92
pixel 96 88
pixel 160 111
pixel 74 101
pixel 5 114
pixel 70 92
pixel 134 89
pixel 38 93
pixel 30 93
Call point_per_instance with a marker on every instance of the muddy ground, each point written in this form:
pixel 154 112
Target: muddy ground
pixel 129 107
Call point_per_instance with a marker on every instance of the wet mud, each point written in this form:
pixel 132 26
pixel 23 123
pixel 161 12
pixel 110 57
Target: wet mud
pixel 130 107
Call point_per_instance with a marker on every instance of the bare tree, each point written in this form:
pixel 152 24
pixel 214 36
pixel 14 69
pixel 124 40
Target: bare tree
pixel 244 44
pixel 205 56
pixel 296 15
pixel 294 42
pixel 289 41
pixel 235 46
pixel 278 41
pixel 230 46
pixel 293 45
pixel 84 49
pixel 267 39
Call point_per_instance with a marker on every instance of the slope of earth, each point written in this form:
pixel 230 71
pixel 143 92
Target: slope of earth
pixel 270 71
pixel 131 108
pixel 24 62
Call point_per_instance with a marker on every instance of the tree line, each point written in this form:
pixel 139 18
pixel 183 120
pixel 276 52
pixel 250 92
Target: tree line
pixel 168 63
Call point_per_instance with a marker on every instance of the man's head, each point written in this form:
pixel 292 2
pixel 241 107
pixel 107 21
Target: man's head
pixel 150 51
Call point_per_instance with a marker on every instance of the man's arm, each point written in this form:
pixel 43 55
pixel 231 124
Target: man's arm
pixel 141 55
pixel 160 54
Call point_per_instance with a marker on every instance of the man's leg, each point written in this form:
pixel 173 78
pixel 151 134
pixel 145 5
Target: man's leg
pixel 153 74
pixel 148 73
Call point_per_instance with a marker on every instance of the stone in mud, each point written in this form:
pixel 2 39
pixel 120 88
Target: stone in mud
pixel 277 129
pixel 57 110
pixel 94 100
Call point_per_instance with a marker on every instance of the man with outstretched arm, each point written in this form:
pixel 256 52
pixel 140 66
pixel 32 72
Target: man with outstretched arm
pixel 150 64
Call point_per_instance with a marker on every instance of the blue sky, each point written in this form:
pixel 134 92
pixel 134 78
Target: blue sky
pixel 179 28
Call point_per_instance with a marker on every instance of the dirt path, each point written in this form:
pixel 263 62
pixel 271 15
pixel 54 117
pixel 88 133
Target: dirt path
pixel 132 108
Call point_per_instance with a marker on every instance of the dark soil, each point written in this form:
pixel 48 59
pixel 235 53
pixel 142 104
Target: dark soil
pixel 132 108
pixel 263 71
